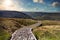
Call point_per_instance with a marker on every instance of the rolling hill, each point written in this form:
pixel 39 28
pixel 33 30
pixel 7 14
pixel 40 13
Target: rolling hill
pixel 44 15
pixel 13 14
pixel 30 15
pixel 9 25
pixel 13 20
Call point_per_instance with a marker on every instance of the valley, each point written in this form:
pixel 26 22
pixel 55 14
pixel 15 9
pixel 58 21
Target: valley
pixel 45 26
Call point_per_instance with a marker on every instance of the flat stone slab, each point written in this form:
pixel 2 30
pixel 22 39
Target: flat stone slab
pixel 23 34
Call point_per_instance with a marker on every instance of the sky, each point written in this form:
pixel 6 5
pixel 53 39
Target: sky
pixel 31 5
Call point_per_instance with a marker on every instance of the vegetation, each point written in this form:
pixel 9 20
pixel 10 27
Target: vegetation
pixel 25 22
pixel 4 35
pixel 50 30
pixel 9 25
pixel 50 22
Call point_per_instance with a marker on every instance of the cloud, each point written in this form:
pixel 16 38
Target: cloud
pixel 41 1
pixel 13 6
pixel 1 7
pixel 38 1
pixel 55 4
pixel 35 1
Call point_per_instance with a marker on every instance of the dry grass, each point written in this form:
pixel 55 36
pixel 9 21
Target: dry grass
pixel 9 25
pixel 50 22
pixel 50 30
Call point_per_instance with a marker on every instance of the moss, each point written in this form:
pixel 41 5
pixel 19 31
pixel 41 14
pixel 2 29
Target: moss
pixel 4 35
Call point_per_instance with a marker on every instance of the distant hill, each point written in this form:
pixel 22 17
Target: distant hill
pixel 44 15
pixel 13 14
pixel 30 15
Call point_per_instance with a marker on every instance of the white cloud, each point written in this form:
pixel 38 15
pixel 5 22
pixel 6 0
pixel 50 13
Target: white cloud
pixel 54 4
pixel 38 1
pixel 35 1
pixel 13 6
pixel 41 1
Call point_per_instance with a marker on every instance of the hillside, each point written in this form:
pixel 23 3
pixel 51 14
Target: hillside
pixel 13 20
pixel 44 15
pixel 14 14
pixel 9 25
pixel 30 15
pixel 50 30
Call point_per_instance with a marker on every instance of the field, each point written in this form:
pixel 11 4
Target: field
pixel 50 30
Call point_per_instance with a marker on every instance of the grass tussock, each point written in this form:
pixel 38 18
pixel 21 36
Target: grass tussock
pixel 51 32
